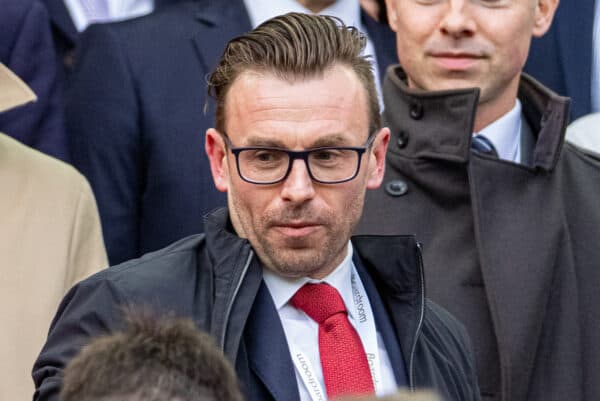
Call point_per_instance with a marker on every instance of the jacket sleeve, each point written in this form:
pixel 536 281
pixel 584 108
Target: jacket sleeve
pixel 102 123
pixel 89 309
pixel 456 369
pixel 87 254
pixel 30 54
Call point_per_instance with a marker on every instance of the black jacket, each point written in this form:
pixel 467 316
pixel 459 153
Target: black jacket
pixel 214 279
pixel 510 249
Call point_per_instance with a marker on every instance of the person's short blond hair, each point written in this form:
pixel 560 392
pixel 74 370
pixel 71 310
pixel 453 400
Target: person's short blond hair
pixel 399 396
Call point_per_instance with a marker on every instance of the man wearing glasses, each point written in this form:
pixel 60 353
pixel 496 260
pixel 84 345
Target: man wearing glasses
pixel 301 311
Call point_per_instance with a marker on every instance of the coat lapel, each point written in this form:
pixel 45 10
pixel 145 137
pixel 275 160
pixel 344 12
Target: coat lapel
pixel 536 242
pixel 268 352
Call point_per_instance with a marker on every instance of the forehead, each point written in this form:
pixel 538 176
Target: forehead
pixel 263 104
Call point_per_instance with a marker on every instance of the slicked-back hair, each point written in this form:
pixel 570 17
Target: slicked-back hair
pixel 152 359
pixel 292 47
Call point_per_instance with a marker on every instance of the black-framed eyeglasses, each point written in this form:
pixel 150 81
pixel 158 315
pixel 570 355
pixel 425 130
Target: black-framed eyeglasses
pixel 327 165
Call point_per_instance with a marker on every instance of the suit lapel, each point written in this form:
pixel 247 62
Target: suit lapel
pixel 217 27
pixel 61 20
pixel 384 41
pixel 575 33
pixel 384 326
pixel 268 352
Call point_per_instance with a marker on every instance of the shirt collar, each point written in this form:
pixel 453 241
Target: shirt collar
pixel 261 10
pixel 505 134
pixel 282 289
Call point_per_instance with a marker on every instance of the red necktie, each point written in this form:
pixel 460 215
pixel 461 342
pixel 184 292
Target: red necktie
pixel 343 359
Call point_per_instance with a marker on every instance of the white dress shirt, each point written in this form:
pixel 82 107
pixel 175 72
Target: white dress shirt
pixel 505 134
pixel 86 12
pixel 346 10
pixel 595 60
pixel 302 333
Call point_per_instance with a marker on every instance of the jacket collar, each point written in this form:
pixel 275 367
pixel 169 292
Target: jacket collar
pixel 238 275
pixel 451 113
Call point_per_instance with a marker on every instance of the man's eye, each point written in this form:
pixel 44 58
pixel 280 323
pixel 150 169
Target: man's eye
pixel 267 156
pixel 326 155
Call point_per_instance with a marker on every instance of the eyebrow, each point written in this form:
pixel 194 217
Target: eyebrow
pixel 327 141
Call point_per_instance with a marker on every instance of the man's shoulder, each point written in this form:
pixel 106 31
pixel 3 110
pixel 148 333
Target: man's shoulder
pixel 34 172
pixel 168 269
pixel 580 169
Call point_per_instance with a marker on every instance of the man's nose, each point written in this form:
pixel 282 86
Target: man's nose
pixel 457 20
pixel 298 186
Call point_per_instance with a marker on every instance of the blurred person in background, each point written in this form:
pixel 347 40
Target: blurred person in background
pixel 400 396
pixel 71 17
pixel 134 112
pixel 50 238
pixel 26 49
pixel 154 358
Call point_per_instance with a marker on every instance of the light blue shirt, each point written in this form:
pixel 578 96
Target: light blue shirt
pixel 346 10
pixel 505 134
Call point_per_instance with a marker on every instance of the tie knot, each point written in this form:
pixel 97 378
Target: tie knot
pixel 482 144
pixel 319 301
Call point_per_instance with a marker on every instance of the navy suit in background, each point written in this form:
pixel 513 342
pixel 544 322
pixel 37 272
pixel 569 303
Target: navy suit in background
pixel 562 59
pixel 136 123
pixel 26 48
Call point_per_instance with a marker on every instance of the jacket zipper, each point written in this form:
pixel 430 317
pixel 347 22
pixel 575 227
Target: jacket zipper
pixel 411 378
pixel 232 299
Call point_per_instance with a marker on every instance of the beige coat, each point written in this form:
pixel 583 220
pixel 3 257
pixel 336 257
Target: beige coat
pixel 50 238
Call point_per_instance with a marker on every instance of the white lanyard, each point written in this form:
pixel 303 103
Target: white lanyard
pixel 365 326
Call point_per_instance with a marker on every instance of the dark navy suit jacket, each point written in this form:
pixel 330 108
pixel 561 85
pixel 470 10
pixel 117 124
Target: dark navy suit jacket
pixel 136 123
pixel 562 59
pixel 26 48
pixel 66 37
pixel 270 371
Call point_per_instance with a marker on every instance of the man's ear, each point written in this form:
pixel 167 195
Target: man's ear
pixel 544 14
pixel 217 156
pixel 390 6
pixel 377 158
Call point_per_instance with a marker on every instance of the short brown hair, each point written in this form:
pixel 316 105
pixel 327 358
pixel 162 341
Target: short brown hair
pixel 293 46
pixel 153 359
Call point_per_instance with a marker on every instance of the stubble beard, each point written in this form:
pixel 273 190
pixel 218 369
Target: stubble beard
pixel 314 256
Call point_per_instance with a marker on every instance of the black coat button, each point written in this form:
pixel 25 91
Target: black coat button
pixel 402 139
pixel 396 188
pixel 416 111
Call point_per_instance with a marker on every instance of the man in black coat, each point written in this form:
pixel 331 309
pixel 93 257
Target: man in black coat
pixel 135 118
pixel 302 312
pixel 507 215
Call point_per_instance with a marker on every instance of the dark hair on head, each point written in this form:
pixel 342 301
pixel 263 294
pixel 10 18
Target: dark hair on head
pixel 153 359
pixel 294 46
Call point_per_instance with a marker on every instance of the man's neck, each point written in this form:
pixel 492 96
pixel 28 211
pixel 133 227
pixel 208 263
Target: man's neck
pixel 316 6
pixel 490 110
